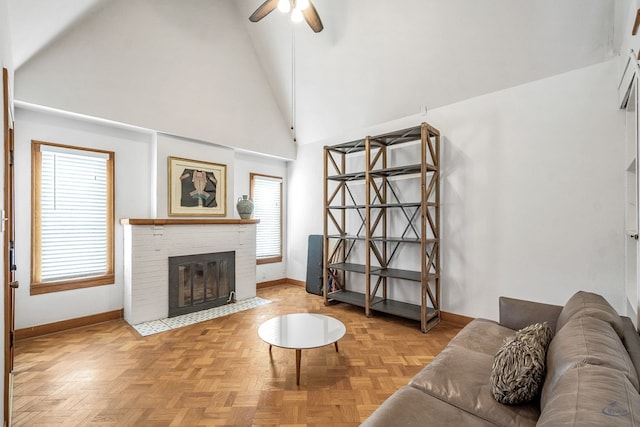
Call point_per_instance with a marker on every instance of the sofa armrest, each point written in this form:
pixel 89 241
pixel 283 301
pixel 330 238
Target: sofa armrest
pixel 516 313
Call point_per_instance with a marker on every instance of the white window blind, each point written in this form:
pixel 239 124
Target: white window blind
pixel 267 199
pixel 74 212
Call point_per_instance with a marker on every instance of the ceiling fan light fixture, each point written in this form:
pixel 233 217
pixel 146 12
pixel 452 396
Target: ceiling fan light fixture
pixel 300 10
pixel 284 6
pixel 296 15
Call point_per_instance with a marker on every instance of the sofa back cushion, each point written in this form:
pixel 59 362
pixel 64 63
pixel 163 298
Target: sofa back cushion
pixel 587 304
pixel 585 340
pixel 481 335
pixel 591 395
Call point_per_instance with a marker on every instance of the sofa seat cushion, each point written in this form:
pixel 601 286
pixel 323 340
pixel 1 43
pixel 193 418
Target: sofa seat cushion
pixel 460 377
pixel 411 407
pixel 585 340
pixel 587 304
pixel 591 395
pixel 482 335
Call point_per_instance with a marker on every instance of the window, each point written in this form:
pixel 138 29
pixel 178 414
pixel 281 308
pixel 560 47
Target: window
pixel 266 193
pixel 72 217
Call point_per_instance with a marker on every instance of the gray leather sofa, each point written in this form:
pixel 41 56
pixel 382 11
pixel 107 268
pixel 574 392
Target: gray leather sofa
pixel 592 372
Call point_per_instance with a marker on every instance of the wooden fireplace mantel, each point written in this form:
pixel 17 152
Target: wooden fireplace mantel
pixel 184 221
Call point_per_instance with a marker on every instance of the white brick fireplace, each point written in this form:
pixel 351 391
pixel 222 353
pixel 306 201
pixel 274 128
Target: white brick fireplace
pixel 148 244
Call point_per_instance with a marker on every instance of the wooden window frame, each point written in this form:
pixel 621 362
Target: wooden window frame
pixel 272 259
pixel 37 286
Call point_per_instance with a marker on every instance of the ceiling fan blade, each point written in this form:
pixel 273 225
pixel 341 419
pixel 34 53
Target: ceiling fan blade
pixel 313 19
pixel 265 8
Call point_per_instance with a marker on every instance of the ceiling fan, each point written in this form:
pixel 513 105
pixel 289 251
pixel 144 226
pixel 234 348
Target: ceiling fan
pixel 299 9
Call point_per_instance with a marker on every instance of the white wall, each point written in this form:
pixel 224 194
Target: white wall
pixel 247 163
pixel 306 206
pixel 141 192
pixel 377 61
pixel 532 193
pixel 183 68
pixel 133 157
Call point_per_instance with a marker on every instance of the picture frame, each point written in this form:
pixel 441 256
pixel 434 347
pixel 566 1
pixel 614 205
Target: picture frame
pixel 196 188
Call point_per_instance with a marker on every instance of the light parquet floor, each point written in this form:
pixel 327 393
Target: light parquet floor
pixel 219 372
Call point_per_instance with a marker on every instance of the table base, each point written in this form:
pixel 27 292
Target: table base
pixel 299 358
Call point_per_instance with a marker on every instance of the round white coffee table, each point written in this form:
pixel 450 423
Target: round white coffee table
pixel 301 331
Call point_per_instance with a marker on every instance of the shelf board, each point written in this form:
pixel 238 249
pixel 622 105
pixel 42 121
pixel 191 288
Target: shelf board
pixel 401 170
pixel 348 266
pixel 345 237
pixel 396 171
pixel 402 309
pixel 346 207
pixel 399 137
pixel 395 239
pixel 401 240
pixel 348 147
pixel 350 297
pixel 397 273
pixel 355 176
pixel 380 239
pixel 356 146
pixel 378 173
pixel 398 205
pixel 388 139
pixel 395 308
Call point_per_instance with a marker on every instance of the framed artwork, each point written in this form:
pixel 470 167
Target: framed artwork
pixel 197 188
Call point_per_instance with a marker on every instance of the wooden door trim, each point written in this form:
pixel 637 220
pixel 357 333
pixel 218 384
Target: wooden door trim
pixel 8 321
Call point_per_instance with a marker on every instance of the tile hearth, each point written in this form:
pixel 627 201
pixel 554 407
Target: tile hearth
pixel 162 325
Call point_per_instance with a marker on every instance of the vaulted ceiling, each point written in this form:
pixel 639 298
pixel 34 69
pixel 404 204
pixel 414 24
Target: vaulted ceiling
pixel 375 61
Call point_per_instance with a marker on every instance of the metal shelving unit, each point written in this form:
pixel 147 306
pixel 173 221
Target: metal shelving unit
pixel 364 210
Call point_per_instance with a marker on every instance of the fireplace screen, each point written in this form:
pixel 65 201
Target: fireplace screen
pixel 198 282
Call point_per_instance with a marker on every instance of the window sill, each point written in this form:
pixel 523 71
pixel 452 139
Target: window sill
pixel 270 260
pixel 67 285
